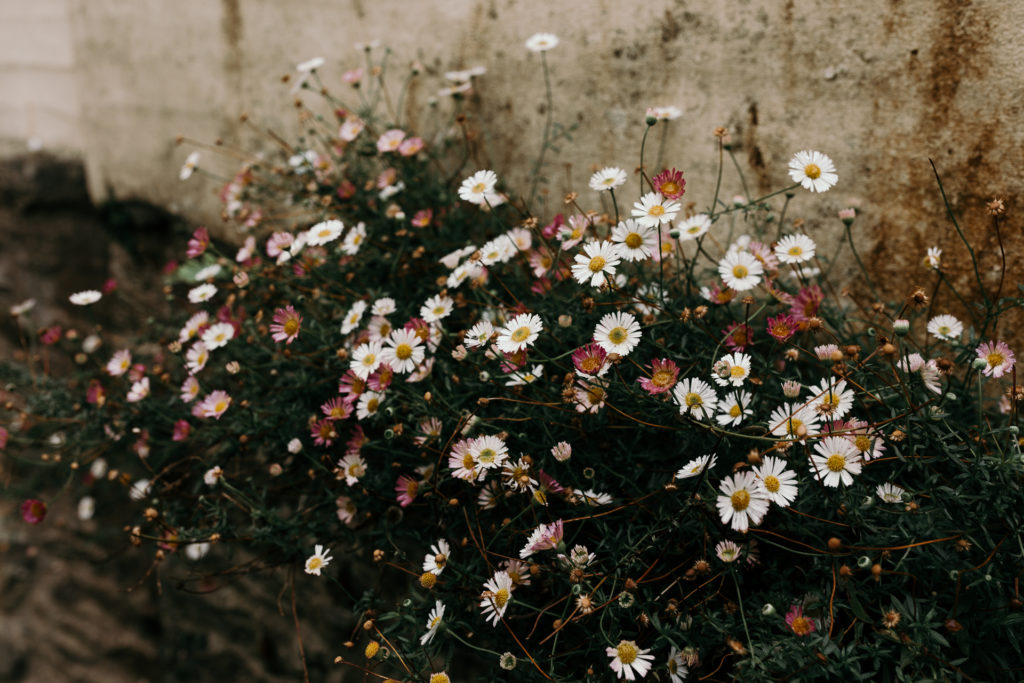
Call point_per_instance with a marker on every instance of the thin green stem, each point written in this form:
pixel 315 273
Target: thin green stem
pixel 547 131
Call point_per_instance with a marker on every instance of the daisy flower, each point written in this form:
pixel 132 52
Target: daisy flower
pixel 516 476
pixel 207 273
pixel 519 333
pixel 933 259
pixel 404 351
pixel 945 327
pixel 795 249
pixel 86 297
pixel 189 167
pixel 437 559
pixel 202 293
pixel 794 422
pixel 998 358
pixel 324 232
pixel 488 452
pixel 407 489
pixel 189 389
pixel 119 363
pixel 496 597
pixel 694 227
pixel 629 661
pixel 735 407
pixel 798 623
pixel 196 357
pixel 479 188
pixel 782 327
pixel 318 560
pixel 732 368
pixel 813 170
pixel 831 398
pixel 636 242
pixel 740 270
pixel 669 113
pixel 383 306
pixel 544 537
pixel 366 358
pixel 744 500
pixel 351 129
pixel 436 308
pixel 138 391
pixel 368 405
pixel 479 334
pixel 561 451
pixel 618 333
pixel 522 377
pixel 669 184
pixel 336 409
pixel 218 335
pixel 654 210
pixel 890 493
pixel 354 239
pixel 779 483
pixel 664 375
pixel 390 140
pixel 286 324
pixel 323 432
pixel 599 260
pixel 433 622
pixel 696 398
pixel 439 677
pixel 541 42
pixel 589 360
pixel 214 405
pixel 353 467
pixel 607 178
pixel 835 460
pixel 727 551
pixel 676 666
pixel 590 396
pixel 697 466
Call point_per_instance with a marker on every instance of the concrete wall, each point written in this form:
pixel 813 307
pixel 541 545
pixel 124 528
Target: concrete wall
pixel 880 85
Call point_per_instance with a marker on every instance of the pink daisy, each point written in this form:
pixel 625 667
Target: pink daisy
pixel 998 358
pixel 199 242
pixel 323 431
pixel 806 303
pixel 286 325
pixel 669 184
pixel 798 623
pixel 336 409
pixel 214 405
pixel 782 327
pixel 406 487
pixel 390 140
pixel 738 336
pixel 664 375
pixel 181 430
pixel 589 360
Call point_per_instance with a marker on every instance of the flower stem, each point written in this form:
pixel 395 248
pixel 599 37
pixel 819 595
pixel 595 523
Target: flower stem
pixel 547 131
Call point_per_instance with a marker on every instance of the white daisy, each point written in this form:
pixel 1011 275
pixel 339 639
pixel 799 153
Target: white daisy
pixel 795 249
pixel 607 178
pixel 366 358
pixel 368 405
pixel 628 660
pixel 192 326
pixel 209 272
pixel 196 357
pixel 353 240
pixel 654 210
pixel 890 493
pixel 831 398
pixel 696 398
pixel 488 452
pixel 778 482
pixel 437 559
pixel 835 461
pixel 433 622
pixel 318 560
pixel 744 501
pixel 669 113
pixel 525 376
pixel 379 328
pixel 383 306
pixel 353 467
pixel 945 327
pixel 352 318
pixel 119 363
pixel 813 170
pixel 519 333
pixel 598 260
pixel 694 227
pixel 201 293
pixel 324 232
pixel 793 421
pixel 697 466
pixel 84 298
pixel 734 408
pixel 479 334
pixel 676 666
pixel 933 259
pixel 496 597
pixel 404 351
pixel 636 242
pixel 732 368
pixel 218 335
pixel 479 188
pixel 436 308
pixel 189 167
pixel 139 390
pixel 740 270
pixel 541 42
pixel 618 333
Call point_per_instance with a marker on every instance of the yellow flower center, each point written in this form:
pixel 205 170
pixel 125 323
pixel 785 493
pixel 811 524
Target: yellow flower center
pixel 314 563
pixel 597 264
pixel 324 232
pixel 995 359
pixel 369 359
pixel 501 598
pixel 618 335
pixel 735 410
pixel 795 250
pixel 467 461
pixel 794 425
pixel 440 678
pixel 371 405
pixel 487 455
pixel 354 470
pixel 862 442
pixel 670 187
pixel 737 371
pixel 740 500
pixel 438 310
pixel 595 395
pixel 634 240
pixel 291 326
pixel 590 364
pixel 740 271
pixel 411 488
pixel 772 483
pixel 801 626
pixel 661 378
pixel 521 334
pixel 220 406
pixel 656 210
pixel 479 187
pixel 627 652
pixel 812 171
pixel 693 399
pixel 836 462
pixel 403 352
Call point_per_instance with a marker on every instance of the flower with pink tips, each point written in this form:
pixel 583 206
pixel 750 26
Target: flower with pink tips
pixel 998 358
pixel 214 405
pixel 286 325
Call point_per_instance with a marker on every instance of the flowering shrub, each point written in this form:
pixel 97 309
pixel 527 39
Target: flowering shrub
pixel 626 440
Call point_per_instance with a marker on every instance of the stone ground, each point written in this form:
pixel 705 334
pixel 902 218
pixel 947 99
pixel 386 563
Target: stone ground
pixel 80 605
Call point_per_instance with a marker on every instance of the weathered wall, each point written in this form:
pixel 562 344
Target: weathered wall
pixel 880 85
